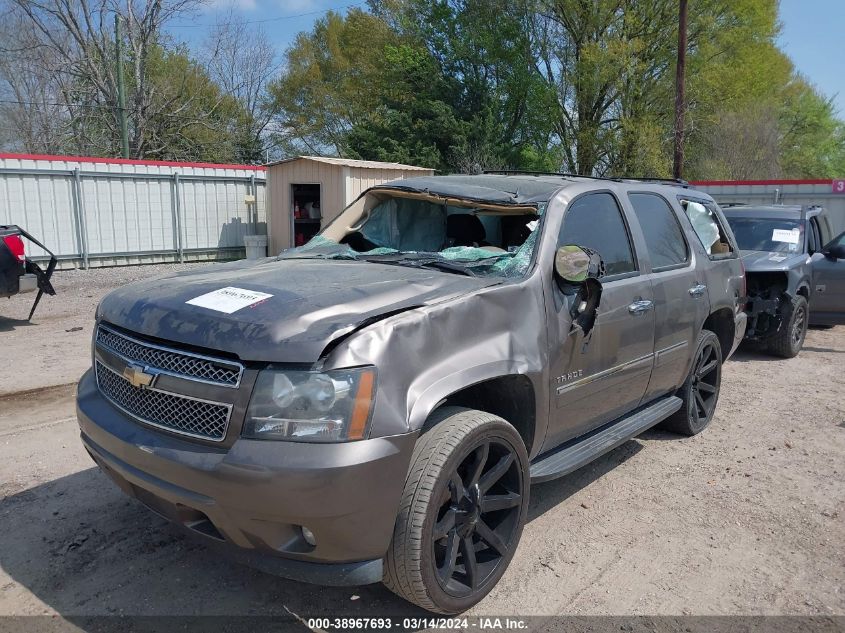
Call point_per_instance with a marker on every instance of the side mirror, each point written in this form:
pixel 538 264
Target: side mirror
pixel 575 264
pixel 836 251
pixel 578 270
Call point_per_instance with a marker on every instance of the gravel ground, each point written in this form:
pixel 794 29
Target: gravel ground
pixel 54 348
pixel 747 518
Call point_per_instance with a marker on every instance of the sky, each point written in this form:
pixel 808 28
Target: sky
pixel 280 19
pixel 812 35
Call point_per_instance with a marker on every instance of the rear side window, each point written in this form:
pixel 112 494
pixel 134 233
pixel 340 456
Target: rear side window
pixel 705 221
pixel 663 235
pixel 595 221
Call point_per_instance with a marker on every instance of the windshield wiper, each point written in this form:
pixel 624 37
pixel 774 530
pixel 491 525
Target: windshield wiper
pixel 451 266
pixel 419 260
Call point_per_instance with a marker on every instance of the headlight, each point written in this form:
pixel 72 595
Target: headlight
pixel 305 406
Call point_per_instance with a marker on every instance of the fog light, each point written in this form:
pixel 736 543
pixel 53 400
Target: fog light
pixel 309 537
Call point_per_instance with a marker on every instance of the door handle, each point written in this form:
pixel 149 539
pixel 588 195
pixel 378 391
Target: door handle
pixel 697 290
pixel 640 307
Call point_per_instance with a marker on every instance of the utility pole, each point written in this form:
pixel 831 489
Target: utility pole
pixel 121 90
pixel 680 99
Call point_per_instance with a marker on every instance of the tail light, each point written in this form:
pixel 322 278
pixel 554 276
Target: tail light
pixel 743 288
pixel 15 245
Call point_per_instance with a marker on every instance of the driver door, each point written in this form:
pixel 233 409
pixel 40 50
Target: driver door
pixel 827 306
pixel 603 375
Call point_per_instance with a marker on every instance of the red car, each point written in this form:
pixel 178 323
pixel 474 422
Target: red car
pixel 18 273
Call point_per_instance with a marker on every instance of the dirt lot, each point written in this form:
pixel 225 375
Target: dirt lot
pixel 747 518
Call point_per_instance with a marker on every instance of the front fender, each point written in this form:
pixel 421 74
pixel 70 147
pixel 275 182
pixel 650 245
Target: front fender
pixel 424 355
pixel 422 406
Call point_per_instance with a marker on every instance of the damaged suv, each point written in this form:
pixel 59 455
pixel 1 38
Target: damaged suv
pixel 795 272
pixel 374 404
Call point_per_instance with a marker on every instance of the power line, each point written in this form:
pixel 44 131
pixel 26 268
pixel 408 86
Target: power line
pixel 265 20
pixel 58 105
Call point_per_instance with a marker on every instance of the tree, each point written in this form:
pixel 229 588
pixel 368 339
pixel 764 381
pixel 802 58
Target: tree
pixel 331 81
pixel 812 143
pixel 413 124
pixel 33 118
pixel 80 35
pixel 242 62
pixel 483 50
pixel 188 116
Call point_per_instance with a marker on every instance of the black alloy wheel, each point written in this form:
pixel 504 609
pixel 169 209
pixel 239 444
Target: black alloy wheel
pixel 461 513
pixel 789 339
pixel 477 518
pixel 700 392
pixel 799 325
pixel 705 382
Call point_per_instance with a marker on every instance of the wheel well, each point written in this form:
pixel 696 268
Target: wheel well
pixel 804 291
pixel 721 323
pixel 509 397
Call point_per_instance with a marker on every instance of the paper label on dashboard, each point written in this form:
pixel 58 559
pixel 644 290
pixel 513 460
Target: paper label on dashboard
pixel 788 236
pixel 229 299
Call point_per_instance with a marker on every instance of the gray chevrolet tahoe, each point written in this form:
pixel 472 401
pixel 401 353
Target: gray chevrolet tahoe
pixel 374 404
pixel 795 272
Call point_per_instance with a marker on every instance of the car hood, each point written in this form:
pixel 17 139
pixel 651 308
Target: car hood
pixel 313 302
pixel 763 261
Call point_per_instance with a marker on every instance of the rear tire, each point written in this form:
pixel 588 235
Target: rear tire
pixel 462 511
pixel 700 391
pixel 790 339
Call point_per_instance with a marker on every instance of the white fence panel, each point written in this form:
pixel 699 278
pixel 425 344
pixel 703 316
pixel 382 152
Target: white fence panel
pixel 111 212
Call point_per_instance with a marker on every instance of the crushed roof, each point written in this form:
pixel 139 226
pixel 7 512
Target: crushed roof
pixel 487 187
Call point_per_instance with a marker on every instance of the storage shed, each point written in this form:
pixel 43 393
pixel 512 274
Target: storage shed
pixel 306 192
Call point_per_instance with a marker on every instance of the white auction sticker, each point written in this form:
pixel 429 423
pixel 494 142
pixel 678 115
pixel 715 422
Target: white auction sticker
pixel 792 236
pixel 228 300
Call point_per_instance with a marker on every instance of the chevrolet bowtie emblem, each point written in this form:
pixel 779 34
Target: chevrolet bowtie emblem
pixel 138 376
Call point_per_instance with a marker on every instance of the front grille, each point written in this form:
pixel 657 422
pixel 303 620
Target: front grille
pixel 181 414
pixel 170 361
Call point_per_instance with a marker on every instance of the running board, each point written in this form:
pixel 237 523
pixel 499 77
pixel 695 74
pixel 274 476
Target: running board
pixel 583 450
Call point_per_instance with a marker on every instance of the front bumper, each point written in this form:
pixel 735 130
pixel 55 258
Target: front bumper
pixel 256 495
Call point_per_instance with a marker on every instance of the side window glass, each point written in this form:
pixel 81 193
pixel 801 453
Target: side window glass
pixel 663 236
pixel 595 221
pixel 814 238
pixel 707 227
pixel 839 240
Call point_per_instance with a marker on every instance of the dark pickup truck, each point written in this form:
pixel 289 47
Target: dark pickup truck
pixel 18 273
pixel 795 272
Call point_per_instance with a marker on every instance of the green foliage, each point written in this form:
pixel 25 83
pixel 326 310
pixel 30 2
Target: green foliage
pixel 334 77
pixel 812 138
pixel 585 86
pixel 190 118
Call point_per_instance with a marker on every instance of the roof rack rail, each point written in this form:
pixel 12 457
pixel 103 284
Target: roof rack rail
pixel 521 172
pixel 518 172
pixel 670 181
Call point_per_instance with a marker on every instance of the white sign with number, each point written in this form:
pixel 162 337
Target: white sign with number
pixel 788 236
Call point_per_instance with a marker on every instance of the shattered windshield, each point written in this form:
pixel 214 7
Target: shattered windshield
pixel 769 235
pixel 472 241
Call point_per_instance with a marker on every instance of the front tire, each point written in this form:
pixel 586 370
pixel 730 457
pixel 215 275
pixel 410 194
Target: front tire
pixel 790 339
pixel 462 511
pixel 700 391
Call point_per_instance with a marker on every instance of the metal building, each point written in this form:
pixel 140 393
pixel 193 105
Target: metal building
pixel 826 193
pixel 307 191
pixel 109 211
